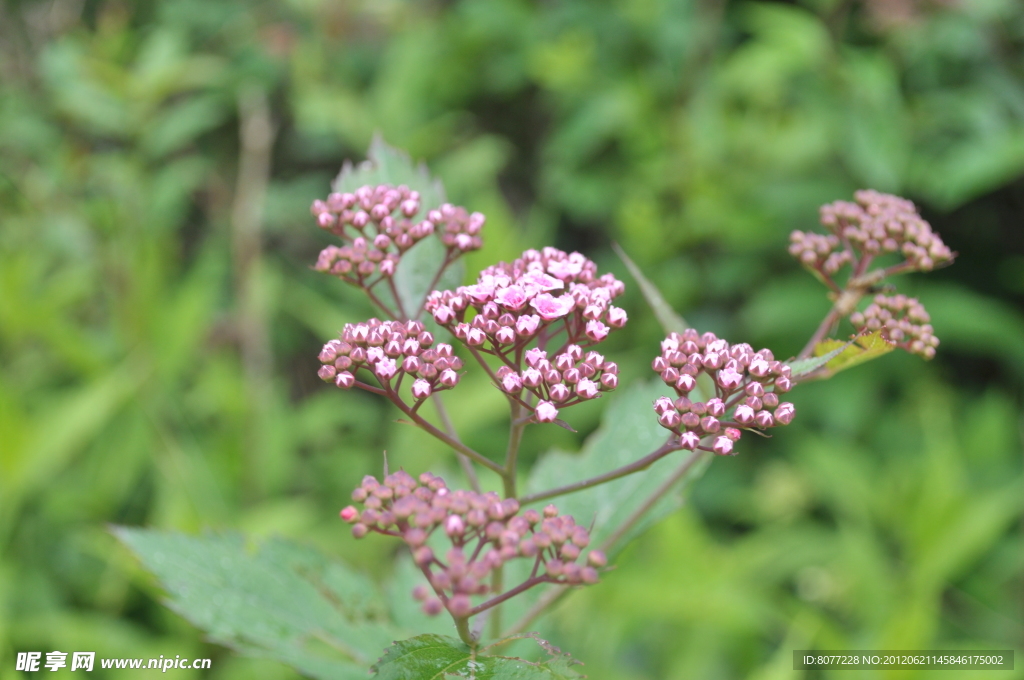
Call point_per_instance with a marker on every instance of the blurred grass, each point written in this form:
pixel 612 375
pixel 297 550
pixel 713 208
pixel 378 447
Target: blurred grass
pixel 696 133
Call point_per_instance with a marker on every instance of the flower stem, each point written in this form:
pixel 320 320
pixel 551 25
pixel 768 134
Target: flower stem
pixel 651 500
pixel 635 466
pixel 450 441
pixel 462 626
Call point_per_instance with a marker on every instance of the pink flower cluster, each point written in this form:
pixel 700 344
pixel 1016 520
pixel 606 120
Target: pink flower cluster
pixel 875 224
pixel 517 302
pixel 904 321
pixel 567 379
pixel 485 532
pixel 390 350
pixel 376 224
pixel 747 388
pixel 459 229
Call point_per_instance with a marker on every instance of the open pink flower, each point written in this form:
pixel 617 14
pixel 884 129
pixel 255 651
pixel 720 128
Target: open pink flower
pixel 550 307
pixel 513 297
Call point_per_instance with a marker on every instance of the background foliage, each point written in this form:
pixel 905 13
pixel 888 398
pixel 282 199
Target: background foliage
pixel 159 323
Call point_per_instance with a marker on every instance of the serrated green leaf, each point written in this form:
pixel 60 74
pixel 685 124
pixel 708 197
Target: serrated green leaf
pixel 280 600
pixel 414 276
pixel 804 367
pixel 670 321
pixel 385 164
pixel 434 657
pixel 864 347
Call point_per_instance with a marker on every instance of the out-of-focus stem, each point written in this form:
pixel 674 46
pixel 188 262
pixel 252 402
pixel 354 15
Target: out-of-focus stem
pixel 462 626
pixel 443 436
pixel 515 438
pixel 635 466
pixel 464 462
pixel 256 137
pixel 556 593
pixel 651 500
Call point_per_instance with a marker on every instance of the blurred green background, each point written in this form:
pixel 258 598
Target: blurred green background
pixel 159 322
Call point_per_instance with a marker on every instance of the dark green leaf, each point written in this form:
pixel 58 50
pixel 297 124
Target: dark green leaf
pixel 280 600
pixel 434 657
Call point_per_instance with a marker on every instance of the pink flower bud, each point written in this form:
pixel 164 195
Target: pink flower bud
pixel 359 530
pixel 559 392
pixel 732 433
pixel 744 415
pixel 770 400
pixel 596 330
pixel 759 368
pixel 784 413
pixel 454 526
pixel 546 412
pixel 609 381
pixel 663 405
pixel 421 389
pixel 586 388
pixel 443 315
pixel 460 605
pixel 616 317
pixel 327 373
pixel 572 376
pixel 710 424
pixel 349 514
pixel 563 362
pixel 449 378
pixel 345 380
pixel 534 356
pixel 716 407
pixel 532 377
pixel 527 325
pixel 689 440
pixel 659 364
pixel 722 446
pixel 764 419
pixel 670 419
pixel 783 384
pixel 385 369
pixel 506 335
pixel 512 383
pixel 686 383
pixel 729 379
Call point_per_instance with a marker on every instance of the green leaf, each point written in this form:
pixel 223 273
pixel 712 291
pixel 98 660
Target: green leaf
pixel 805 367
pixel 414 277
pixel 385 164
pixel 434 657
pixel 864 347
pixel 670 321
pixel 279 600
pixel 628 432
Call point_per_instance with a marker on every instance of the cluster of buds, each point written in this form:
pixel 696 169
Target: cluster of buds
pixel 566 380
pixel 389 350
pixel 747 389
pixel 515 303
pixel 876 224
pixel 484 531
pixel 376 224
pixel 903 320
pixel 459 229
